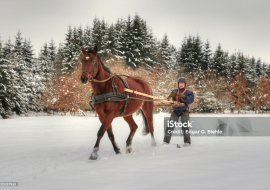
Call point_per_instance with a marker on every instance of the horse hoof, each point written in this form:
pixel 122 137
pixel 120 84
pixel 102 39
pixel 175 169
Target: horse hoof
pixel 153 142
pixel 129 149
pixel 93 157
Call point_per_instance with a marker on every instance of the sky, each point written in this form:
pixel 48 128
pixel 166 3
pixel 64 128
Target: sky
pixel 236 24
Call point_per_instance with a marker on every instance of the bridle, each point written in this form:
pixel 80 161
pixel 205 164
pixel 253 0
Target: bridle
pixel 93 71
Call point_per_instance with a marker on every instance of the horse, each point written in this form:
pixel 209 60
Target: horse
pixel 94 71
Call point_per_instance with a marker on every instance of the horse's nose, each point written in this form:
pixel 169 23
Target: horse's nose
pixel 84 79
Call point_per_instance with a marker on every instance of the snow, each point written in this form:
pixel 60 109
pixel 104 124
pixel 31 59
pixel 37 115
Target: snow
pixel 51 152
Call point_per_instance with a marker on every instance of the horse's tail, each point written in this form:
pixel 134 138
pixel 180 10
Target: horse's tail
pixel 144 129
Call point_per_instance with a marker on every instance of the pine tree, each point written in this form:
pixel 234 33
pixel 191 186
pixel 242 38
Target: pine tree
pixel 8 49
pixel 111 45
pixel 46 73
pixel 58 62
pixel 165 52
pixel 150 49
pixel 268 72
pixel 24 89
pixel 6 85
pixel 258 68
pixel 119 30
pixel 207 57
pixel 191 55
pixel 128 43
pixel 198 53
pixel 264 70
pixel 241 62
pixel 219 61
pixel 71 51
pixel 28 54
pixel 251 70
pixel 87 38
pixel 80 38
pixel 104 32
pixel 138 34
pixel 52 52
pixel 46 63
pixel 96 33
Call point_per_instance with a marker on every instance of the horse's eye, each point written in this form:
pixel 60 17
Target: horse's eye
pixel 93 61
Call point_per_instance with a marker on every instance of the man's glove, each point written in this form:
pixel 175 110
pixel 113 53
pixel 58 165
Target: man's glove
pixel 171 95
pixel 180 95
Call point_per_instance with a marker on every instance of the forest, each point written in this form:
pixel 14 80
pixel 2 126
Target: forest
pixel 50 81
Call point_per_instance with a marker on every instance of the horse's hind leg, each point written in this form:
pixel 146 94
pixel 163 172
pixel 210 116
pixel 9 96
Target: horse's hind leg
pixel 147 108
pixel 111 137
pixel 133 127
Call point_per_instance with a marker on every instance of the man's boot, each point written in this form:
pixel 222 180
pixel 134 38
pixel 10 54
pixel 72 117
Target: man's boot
pixel 167 140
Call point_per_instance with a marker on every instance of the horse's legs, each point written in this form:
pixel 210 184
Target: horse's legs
pixel 104 127
pixel 111 137
pixel 133 127
pixel 147 108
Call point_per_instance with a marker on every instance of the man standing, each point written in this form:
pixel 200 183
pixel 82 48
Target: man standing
pixel 184 97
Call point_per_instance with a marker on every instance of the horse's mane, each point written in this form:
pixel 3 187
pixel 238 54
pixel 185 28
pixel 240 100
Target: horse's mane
pixel 104 66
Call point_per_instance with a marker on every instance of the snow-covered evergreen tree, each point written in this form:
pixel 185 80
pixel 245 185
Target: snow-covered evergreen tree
pixel 71 50
pixel 191 55
pixel 207 56
pixel 119 30
pixel 241 62
pixel 110 46
pixel 150 48
pixel 264 70
pixel 96 33
pixel 251 70
pixel 128 43
pixel 219 61
pixel 24 82
pixel 58 62
pixel 87 38
pixel 7 94
pixel 258 68
pixel 52 51
pixel 166 53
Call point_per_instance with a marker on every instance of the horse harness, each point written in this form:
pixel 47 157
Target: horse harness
pixel 112 96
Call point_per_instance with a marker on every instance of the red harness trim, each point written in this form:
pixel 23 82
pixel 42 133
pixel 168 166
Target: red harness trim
pixel 182 98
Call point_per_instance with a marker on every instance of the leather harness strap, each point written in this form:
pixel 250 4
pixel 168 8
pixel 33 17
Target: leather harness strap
pixel 182 99
pixel 112 96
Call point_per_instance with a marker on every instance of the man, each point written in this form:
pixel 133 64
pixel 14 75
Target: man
pixel 184 97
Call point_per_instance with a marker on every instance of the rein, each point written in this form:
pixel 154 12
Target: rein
pixel 91 78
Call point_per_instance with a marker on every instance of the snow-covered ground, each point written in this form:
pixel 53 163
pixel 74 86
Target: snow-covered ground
pixel 51 152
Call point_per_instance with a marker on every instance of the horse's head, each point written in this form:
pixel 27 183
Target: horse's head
pixel 89 64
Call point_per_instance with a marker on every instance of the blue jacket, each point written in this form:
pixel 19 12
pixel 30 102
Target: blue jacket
pixel 188 99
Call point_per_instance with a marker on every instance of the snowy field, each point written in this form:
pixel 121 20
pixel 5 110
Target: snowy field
pixel 51 152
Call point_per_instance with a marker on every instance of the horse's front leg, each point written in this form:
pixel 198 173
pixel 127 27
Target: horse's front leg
pixel 104 127
pixel 111 137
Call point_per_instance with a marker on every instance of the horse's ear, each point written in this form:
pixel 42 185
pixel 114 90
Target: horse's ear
pixel 95 50
pixel 83 51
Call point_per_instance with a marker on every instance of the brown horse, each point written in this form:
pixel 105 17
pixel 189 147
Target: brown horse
pixel 94 70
